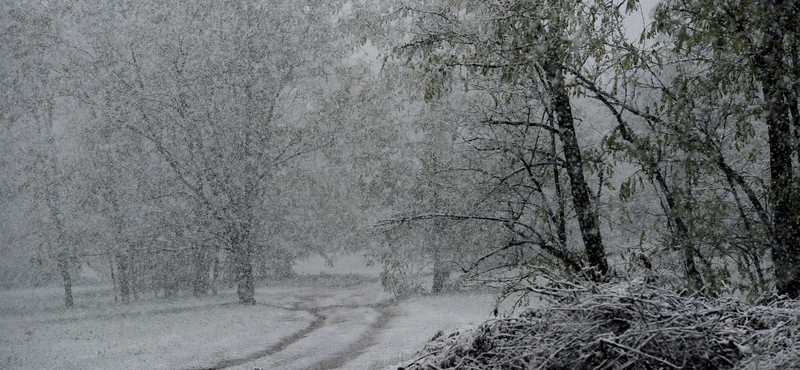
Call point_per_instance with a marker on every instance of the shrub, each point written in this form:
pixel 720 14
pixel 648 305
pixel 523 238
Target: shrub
pixel 625 326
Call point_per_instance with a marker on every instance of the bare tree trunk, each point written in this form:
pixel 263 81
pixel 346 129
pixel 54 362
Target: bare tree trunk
pixel 693 275
pixel 785 194
pixel 123 276
pixel 560 219
pixel 135 278
pixel 588 220
pixel 785 197
pixel 750 251
pixel 66 277
pixel 215 273
pixel 245 288
pixel 114 279
pixel 201 272
pixel 63 253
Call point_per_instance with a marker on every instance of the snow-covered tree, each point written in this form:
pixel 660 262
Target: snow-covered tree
pixel 33 89
pixel 220 91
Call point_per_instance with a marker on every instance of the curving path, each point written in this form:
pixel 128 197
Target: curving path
pixel 346 325
pixel 359 327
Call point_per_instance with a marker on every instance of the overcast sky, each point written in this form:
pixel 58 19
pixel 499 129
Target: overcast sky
pixel 636 21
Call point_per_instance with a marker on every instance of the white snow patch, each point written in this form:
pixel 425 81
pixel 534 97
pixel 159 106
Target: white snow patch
pixel 147 335
pixel 416 321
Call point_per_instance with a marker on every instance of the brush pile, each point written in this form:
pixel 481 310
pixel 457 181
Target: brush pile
pixel 628 326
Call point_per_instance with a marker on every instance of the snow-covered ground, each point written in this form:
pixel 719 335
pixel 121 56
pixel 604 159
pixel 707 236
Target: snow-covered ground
pixel 186 333
pixel 415 321
pixel 326 321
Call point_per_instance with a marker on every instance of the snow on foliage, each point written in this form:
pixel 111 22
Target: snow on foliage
pixel 625 326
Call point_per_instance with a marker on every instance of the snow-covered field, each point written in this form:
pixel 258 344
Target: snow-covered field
pixel 184 333
pixel 321 322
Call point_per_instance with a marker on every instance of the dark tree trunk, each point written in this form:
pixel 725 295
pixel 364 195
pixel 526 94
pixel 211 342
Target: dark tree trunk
pixel 123 276
pixel 588 220
pixel 63 254
pixel 245 289
pixel 694 276
pixel 560 216
pixel 215 273
pixel 784 193
pixel 784 188
pixel 111 269
pixel 66 277
pixel 750 250
pixel 201 271
pixel 135 279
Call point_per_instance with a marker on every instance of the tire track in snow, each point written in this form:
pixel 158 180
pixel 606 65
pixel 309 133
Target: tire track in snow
pixel 275 348
pixel 361 345
pixel 327 317
pixel 338 360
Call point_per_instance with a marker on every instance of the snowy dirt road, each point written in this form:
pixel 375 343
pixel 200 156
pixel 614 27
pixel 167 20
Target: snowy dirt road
pixel 345 333
pixel 361 328
pixel 316 323
pixel 345 325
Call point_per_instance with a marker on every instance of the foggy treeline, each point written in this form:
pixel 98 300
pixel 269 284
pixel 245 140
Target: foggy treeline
pixel 187 146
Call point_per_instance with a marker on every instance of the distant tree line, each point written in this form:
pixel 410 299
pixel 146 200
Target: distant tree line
pixel 177 142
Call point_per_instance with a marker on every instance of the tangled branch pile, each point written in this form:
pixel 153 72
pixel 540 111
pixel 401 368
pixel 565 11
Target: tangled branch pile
pixel 631 326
